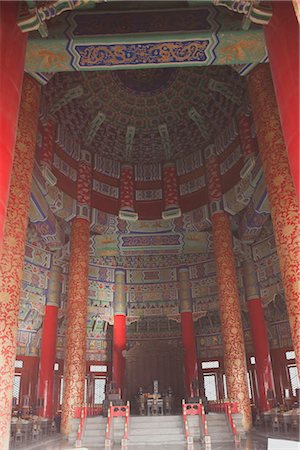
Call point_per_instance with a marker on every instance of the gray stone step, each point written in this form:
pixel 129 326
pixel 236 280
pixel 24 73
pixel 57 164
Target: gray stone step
pixel 134 426
pixel 160 419
pixel 159 430
pixel 218 428
pixel 165 431
pixel 94 431
pixel 95 426
pixel 93 439
pixel 153 439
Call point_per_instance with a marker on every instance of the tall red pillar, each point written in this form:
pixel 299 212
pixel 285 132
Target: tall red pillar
pixel 48 343
pixel 229 304
pixel 13 249
pixel 188 334
pixel 282 38
pixel 281 192
pixel 119 332
pixel 264 372
pixel 12 57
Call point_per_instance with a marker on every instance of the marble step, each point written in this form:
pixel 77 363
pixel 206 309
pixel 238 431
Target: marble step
pixel 165 432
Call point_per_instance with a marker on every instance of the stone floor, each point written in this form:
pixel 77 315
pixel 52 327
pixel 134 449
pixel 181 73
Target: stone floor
pixel 255 441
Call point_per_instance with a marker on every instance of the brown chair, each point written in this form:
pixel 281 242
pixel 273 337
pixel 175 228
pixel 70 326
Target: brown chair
pixel 168 402
pixel 276 424
pixel 258 421
pixel 19 436
pixel 295 426
pixel 35 431
pixel 142 405
pixel 155 408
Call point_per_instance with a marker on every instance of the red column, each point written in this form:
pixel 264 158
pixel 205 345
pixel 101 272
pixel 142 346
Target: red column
pixel 119 334
pixel 189 348
pixel 282 37
pixel 12 57
pixel 264 372
pixel 48 343
pixel 229 304
pixel 47 360
pixel 75 345
pixel 281 193
pixel 13 249
pixel 119 345
pixel 188 334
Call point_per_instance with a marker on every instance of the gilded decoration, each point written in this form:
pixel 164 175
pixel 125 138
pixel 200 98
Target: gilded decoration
pixel 184 289
pixel 93 55
pixel 13 252
pixel 230 315
pixel 128 106
pixel 54 286
pixel 251 285
pixel 75 347
pixel 281 193
pixel 120 294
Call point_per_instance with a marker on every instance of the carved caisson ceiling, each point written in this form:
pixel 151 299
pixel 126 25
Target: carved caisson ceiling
pixel 145 115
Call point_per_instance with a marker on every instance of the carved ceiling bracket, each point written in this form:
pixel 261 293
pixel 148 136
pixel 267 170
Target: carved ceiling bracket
pixel 34 17
pixel 253 10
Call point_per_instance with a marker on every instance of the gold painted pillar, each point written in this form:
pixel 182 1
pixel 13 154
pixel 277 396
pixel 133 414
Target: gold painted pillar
pixel 75 346
pixel 229 305
pixel 281 193
pixel 13 250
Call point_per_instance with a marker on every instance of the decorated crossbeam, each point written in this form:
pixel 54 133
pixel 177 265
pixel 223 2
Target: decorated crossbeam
pixel 98 40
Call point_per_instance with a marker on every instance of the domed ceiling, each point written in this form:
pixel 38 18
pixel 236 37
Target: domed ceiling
pixel 147 115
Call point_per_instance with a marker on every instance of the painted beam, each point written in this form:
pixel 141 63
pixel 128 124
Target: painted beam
pixel 92 40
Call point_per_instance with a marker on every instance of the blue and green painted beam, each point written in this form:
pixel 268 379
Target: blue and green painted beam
pixel 94 40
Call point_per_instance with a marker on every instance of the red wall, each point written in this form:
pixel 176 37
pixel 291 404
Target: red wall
pixel 280 370
pixel 29 378
pixel 29 375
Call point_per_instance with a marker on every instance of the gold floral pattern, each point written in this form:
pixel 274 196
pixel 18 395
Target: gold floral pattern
pixel 230 315
pixel 12 257
pixel 184 290
pixel 281 193
pixel 120 294
pixel 75 349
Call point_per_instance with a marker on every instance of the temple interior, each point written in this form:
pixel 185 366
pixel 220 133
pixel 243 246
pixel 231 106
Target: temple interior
pixel 148 256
